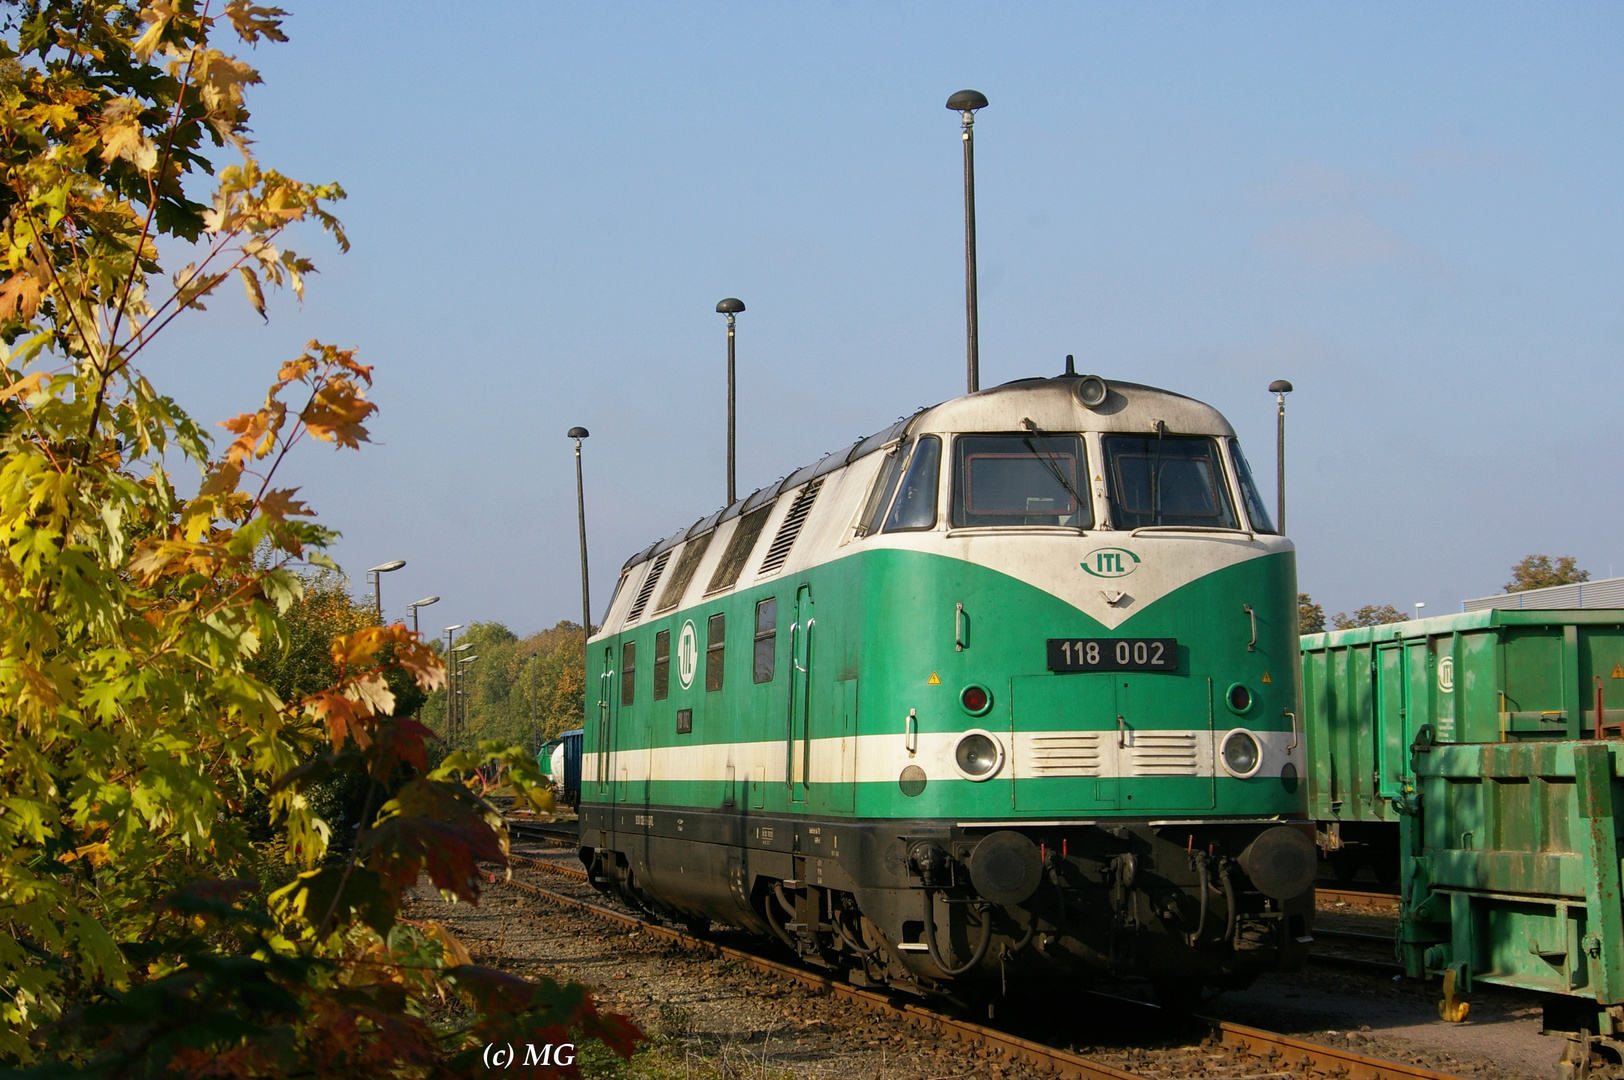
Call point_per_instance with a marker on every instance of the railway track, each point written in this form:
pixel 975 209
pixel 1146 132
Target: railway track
pixel 555 831
pixel 1382 964
pixel 1353 896
pixel 1280 1055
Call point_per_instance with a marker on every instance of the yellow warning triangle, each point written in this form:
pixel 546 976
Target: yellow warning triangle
pixel 936 680
pixel 1266 677
pixel 1618 671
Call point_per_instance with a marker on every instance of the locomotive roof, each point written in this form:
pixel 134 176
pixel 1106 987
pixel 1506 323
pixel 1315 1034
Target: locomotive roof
pixel 1050 403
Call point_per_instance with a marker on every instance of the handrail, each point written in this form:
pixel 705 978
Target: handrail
pixel 1201 530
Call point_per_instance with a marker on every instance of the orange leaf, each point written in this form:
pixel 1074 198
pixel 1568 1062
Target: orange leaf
pixel 19 296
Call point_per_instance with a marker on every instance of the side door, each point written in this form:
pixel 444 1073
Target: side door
pixel 1392 719
pixel 602 740
pixel 797 742
pixel 834 750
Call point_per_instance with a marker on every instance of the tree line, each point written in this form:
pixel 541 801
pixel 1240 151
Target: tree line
pixel 517 690
pixel 1531 572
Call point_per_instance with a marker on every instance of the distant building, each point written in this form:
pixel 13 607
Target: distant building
pixel 1607 593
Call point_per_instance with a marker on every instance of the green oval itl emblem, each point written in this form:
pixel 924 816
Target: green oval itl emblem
pixel 1110 562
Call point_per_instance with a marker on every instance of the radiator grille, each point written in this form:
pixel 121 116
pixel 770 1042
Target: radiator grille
pixel 647 590
pixel 790 529
pixel 1076 754
pixel 1158 753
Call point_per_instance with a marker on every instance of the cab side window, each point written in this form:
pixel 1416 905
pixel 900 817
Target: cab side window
pixel 915 506
pixel 766 639
pixel 715 650
pixel 662 665
pixel 628 672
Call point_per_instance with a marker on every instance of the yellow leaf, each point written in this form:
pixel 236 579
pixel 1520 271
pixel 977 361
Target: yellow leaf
pixel 455 954
pixel 28 384
pixel 250 284
pixel 253 23
pixel 122 136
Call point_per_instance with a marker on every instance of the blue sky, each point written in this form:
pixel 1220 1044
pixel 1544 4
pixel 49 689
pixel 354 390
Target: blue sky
pixel 1413 212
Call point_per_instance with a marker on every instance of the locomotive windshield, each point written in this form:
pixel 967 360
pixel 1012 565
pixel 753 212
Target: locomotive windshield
pixel 1025 479
pixel 1167 480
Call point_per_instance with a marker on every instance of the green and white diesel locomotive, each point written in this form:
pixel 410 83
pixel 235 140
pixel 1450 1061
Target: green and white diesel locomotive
pixel 1008 685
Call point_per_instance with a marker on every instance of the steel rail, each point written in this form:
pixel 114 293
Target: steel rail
pixel 1390 900
pixel 1281 1051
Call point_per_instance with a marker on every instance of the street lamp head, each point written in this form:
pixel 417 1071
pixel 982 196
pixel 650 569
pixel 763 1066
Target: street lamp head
pixel 426 601
pixel 967 101
pixel 731 306
pixel 453 626
pixel 464 645
pixel 384 568
pixel 1280 386
pixel 578 433
pixel 468 659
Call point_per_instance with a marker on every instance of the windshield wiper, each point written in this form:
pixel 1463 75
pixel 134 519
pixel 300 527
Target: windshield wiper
pixel 1048 458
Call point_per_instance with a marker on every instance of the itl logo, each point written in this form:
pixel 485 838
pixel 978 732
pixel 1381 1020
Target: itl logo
pixel 1110 562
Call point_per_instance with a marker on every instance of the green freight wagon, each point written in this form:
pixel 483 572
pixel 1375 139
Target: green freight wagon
pixel 1491 739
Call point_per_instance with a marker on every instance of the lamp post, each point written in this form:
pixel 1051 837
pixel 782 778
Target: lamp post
pixel 375 577
pixel 462 692
pixel 579 433
pixel 1419 604
pixel 1280 388
pixel 730 307
pixel 450 678
pixel 965 103
pixel 425 602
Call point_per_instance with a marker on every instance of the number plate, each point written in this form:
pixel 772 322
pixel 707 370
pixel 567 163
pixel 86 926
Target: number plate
pixel 1114 654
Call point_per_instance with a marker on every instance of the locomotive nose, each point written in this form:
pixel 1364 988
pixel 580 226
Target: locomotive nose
pixel 1281 862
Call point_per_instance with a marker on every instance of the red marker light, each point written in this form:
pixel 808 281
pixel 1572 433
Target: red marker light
pixel 975 699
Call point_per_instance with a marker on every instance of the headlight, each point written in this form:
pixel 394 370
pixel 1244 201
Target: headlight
pixel 1241 754
pixel 978 756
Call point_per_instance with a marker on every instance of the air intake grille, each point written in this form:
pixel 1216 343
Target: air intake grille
pixel 647 590
pixel 692 552
pixel 1066 755
pixel 790 529
pixel 1164 754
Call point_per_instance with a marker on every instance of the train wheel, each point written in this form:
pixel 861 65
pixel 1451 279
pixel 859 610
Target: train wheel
pixel 1345 865
pixel 1179 995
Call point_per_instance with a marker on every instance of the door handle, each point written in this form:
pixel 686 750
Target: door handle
pixel 794 632
pixel 958 628
pixel 1251 646
pixel 1122 733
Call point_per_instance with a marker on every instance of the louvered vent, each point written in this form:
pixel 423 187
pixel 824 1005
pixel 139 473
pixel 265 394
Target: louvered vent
pixel 790 529
pixel 647 590
pixel 1163 754
pixel 692 552
pixel 1066 755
